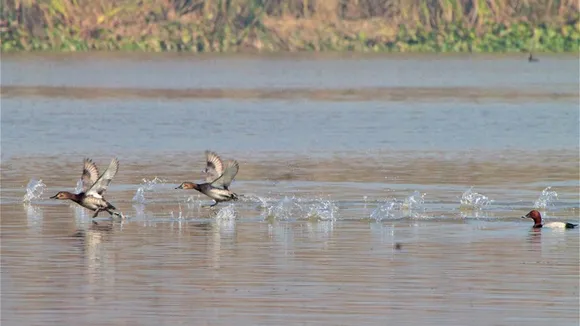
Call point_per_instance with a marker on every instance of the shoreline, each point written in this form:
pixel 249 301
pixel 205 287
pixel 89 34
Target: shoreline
pixel 281 55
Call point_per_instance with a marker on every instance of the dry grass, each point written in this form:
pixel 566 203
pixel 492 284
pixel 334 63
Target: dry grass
pixel 218 24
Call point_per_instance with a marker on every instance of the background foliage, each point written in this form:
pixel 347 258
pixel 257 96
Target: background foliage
pixel 290 25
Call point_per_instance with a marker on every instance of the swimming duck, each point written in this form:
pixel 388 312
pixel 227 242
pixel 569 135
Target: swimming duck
pixel 532 59
pixel 537 217
pixel 218 178
pixel 91 196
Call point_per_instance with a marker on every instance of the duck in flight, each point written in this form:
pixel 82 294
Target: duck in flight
pixel 219 176
pixel 91 195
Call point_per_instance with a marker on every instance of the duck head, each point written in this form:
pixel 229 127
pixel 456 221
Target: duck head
pixel 188 185
pixel 63 195
pixel 534 215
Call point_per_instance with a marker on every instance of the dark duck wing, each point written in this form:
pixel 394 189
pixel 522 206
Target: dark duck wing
pixel 228 176
pixel 90 174
pixel 99 187
pixel 214 166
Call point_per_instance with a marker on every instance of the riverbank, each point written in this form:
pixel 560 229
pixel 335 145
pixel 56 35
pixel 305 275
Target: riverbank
pixel 250 26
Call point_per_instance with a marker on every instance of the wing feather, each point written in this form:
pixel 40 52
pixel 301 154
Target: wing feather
pixel 99 187
pixel 231 170
pixel 90 174
pixel 214 166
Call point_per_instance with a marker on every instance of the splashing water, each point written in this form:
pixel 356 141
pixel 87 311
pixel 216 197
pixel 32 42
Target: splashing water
pixel 473 200
pixel 285 209
pixel 386 210
pixel 146 185
pixel 323 210
pixel 228 212
pixel 79 186
pixel 193 202
pixel 33 214
pixel 547 198
pixel 34 190
pixel 393 209
pixel 414 201
pixel 179 215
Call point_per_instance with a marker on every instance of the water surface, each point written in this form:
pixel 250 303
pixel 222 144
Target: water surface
pixel 358 207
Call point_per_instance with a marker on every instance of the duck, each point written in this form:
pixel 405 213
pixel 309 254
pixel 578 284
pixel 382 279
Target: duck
pixel 537 217
pixel 93 187
pixel 219 176
pixel 532 59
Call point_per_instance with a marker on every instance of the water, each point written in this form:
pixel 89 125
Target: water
pixel 358 207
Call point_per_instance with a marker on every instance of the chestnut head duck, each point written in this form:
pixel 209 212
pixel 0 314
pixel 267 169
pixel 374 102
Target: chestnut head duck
pixel 219 176
pixel 93 187
pixel 537 217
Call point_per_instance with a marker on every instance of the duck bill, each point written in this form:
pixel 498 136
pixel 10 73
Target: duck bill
pixel 53 197
pixel 180 186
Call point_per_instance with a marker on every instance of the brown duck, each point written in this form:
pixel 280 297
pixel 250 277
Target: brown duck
pixel 91 196
pixel 218 178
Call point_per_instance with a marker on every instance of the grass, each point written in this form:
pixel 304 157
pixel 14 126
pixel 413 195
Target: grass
pixel 290 25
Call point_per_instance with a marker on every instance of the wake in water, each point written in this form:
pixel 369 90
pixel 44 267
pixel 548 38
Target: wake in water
pixel 291 207
pixel 297 208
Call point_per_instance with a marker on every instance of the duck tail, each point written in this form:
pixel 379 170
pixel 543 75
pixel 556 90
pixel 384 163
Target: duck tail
pixel 109 206
pixel 235 196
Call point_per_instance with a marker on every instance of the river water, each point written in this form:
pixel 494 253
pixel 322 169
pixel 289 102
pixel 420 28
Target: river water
pixel 376 189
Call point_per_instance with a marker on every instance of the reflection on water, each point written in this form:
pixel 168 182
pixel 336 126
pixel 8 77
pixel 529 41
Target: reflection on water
pixel 233 271
pixel 364 200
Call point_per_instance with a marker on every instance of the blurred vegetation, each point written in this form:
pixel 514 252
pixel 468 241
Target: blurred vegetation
pixel 290 25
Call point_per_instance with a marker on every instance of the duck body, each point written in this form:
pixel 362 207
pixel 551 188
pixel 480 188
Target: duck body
pixel 92 203
pixel 219 176
pixel 532 59
pixel 557 225
pixel 217 194
pixel 537 217
pixel 91 197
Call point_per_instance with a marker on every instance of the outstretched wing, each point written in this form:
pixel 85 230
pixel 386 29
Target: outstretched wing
pixel 228 176
pixel 99 187
pixel 90 174
pixel 214 167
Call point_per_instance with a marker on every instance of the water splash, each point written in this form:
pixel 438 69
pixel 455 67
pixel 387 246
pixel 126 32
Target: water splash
pixel 394 209
pixel 473 200
pixel 227 212
pixel 34 190
pixel 414 201
pixel 139 210
pixel 79 186
pixel 179 215
pixel 323 210
pixel 547 198
pixel 285 209
pixel 34 214
pixel 193 202
pixel 386 210
pixel 146 185
pixel 320 230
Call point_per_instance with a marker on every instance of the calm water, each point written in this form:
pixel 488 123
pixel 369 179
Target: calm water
pixel 376 189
